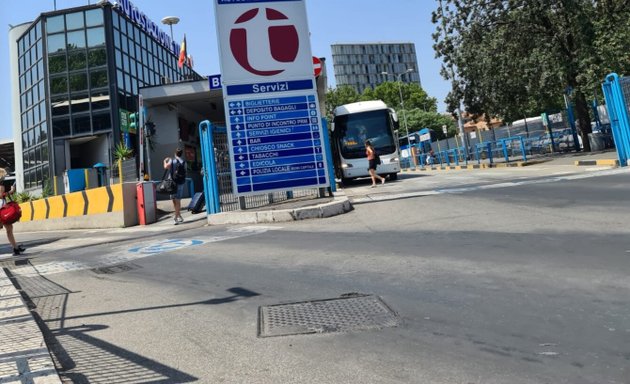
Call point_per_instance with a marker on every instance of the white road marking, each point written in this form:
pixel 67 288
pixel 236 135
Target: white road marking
pixel 124 253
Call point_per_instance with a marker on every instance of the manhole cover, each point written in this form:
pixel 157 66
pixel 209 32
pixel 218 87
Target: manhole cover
pixel 115 269
pixel 348 313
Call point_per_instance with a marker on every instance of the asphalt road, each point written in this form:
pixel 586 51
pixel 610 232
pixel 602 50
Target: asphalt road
pixel 512 281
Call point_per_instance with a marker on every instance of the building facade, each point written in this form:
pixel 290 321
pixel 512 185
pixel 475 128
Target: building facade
pixel 361 66
pixel 78 74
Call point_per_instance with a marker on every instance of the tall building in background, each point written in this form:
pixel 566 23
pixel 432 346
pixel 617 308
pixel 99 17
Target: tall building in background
pixel 361 66
pixel 77 73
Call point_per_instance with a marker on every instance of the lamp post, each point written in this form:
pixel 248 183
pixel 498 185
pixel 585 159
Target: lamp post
pixel 170 20
pixel 402 104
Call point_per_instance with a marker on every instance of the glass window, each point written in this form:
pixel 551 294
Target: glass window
pixel 38 31
pixel 97 57
pixel 42 93
pixel 123 25
pixel 101 121
pixel 125 45
pixel 116 38
pixel 75 20
pixel 56 63
pixel 36 119
pixel 100 100
pixel 42 110
pixel 119 79
pixel 38 156
pixel 60 106
pixel 81 124
pixel 133 69
pixel 61 127
pixel 98 79
pixel 56 43
pixel 116 20
pixel 77 60
pixel 54 24
pixel 96 37
pixel 78 82
pixel 30 138
pixel 58 85
pixel 76 39
pixel 44 133
pixel 40 69
pixel 118 59
pixel 126 63
pixel 127 84
pixel 80 103
pixel 94 17
pixel 136 32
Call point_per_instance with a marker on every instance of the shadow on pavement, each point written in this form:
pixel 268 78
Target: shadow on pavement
pixel 82 358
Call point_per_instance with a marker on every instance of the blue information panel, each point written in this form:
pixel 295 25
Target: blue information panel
pixel 276 144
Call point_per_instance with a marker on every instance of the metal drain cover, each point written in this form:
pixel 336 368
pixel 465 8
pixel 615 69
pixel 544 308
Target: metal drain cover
pixel 347 313
pixel 115 269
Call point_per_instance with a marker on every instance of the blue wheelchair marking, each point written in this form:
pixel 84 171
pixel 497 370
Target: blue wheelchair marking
pixel 165 246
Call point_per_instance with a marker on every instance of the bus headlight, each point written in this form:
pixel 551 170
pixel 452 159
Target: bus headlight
pixel 394 160
pixel 345 165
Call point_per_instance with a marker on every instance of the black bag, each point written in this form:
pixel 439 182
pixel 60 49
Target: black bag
pixel 197 203
pixel 178 171
pixel 377 158
pixel 167 185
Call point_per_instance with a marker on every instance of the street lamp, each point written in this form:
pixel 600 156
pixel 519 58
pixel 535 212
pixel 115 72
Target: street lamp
pixel 402 101
pixel 170 20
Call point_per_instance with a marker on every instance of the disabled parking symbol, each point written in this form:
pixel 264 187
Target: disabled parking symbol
pixel 165 246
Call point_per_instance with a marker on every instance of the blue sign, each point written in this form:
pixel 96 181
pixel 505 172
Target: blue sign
pixel 276 144
pixel 263 88
pixel 215 81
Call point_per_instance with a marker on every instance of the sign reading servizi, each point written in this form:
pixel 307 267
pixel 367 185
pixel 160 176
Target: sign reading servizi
pixel 272 111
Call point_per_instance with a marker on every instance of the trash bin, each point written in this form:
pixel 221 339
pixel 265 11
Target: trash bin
pixel 101 173
pixel 597 141
pixel 147 203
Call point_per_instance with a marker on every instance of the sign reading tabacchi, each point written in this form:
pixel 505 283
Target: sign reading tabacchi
pixel 272 111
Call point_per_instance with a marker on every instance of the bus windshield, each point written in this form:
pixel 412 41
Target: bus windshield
pixel 351 132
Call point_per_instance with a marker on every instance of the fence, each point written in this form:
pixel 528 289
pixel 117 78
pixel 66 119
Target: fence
pixel 218 177
pixel 617 94
pixel 527 137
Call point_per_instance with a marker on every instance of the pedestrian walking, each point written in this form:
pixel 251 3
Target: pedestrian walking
pixel 373 161
pixel 177 168
pixel 17 249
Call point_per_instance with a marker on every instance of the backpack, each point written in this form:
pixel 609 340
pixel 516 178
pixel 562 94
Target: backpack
pixel 10 213
pixel 178 170
pixel 377 158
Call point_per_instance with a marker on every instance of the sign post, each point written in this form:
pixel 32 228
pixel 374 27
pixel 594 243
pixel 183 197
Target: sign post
pixel 141 137
pixel 272 111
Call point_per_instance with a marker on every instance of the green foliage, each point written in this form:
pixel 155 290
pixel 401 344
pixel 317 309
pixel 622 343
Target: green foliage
pixel 517 58
pixel 23 197
pixel 339 96
pixel 47 190
pixel 122 152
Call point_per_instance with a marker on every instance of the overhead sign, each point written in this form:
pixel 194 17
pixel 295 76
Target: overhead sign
pixel 271 104
pixel 317 66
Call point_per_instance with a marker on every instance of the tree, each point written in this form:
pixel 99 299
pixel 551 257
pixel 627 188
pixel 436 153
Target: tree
pixel 413 95
pixel 418 119
pixel 341 95
pixel 516 58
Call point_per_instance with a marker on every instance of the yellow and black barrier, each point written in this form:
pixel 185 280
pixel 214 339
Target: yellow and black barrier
pixel 80 207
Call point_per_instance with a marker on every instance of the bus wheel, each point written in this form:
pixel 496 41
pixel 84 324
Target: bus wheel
pixel 346 181
pixel 393 176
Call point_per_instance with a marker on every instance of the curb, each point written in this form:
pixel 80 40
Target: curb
pixel 339 205
pixel 598 163
pixel 477 166
pixel 24 356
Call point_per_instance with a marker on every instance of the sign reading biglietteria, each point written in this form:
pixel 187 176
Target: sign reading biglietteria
pixel 271 106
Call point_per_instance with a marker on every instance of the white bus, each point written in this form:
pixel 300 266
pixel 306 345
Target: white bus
pixel 355 123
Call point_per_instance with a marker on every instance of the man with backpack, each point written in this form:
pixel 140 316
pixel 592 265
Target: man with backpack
pixel 177 168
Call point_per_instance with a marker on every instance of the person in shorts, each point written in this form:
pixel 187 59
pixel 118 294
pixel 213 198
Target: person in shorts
pixel 177 168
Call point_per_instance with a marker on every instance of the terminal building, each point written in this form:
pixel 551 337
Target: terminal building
pixel 76 75
pixel 361 66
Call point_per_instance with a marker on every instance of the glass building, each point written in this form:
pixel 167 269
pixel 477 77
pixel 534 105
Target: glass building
pixel 361 65
pixel 79 71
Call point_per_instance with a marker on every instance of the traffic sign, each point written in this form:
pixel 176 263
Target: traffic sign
pixel 317 66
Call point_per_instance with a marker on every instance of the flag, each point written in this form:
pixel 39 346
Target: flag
pixel 190 61
pixel 182 54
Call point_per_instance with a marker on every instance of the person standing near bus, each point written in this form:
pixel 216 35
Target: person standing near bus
pixel 17 249
pixel 373 161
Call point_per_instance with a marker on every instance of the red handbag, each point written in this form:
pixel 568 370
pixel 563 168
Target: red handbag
pixel 10 213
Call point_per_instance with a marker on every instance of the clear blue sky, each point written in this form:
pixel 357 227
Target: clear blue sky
pixel 330 21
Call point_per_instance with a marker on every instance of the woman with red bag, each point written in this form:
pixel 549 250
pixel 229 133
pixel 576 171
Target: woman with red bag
pixel 17 249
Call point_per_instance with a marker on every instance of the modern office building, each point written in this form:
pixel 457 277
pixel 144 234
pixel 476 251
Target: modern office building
pixel 361 66
pixel 76 74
